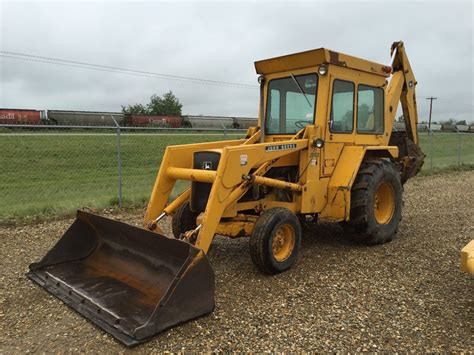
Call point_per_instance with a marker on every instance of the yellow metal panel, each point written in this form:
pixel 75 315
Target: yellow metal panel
pixel 331 153
pixel 314 195
pixel 343 177
pixel 467 258
pixel 254 155
pixel 235 229
pixel 392 98
pixel 338 206
pixel 317 57
pixel 301 60
pixel 290 159
pixel 340 183
pixel 176 156
pixel 347 166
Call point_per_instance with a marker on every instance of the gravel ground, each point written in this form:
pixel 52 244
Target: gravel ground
pixel 405 295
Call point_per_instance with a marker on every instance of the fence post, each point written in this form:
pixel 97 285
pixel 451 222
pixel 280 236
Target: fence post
pixel 459 147
pixel 225 131
pixel 430 135
pixel 119 163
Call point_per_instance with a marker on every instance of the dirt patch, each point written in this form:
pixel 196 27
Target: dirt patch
pixel 340 296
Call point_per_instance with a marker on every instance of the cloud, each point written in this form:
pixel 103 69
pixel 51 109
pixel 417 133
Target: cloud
pixel 220 41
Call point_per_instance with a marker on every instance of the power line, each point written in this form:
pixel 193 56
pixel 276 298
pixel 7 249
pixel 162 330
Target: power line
pixel 109 68
pixel 142 73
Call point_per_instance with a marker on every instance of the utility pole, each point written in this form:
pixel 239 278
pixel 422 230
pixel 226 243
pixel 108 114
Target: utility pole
pixel 431 98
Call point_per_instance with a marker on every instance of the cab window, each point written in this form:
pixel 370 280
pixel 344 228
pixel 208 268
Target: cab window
pixel 342 108
pixel 370 115
pixel 291 104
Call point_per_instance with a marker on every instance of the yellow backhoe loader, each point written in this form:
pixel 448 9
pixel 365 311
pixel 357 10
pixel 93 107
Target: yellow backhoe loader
pixel 323 149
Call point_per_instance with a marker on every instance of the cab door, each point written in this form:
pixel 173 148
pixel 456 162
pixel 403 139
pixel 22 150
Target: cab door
pixel 340 128
pixel 370 113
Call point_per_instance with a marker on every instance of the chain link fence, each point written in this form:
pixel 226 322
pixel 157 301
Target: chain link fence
pixel 447 150
pixel 47 170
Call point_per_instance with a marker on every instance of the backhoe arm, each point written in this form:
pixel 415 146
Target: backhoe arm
pixel 402 89
pixel 401 68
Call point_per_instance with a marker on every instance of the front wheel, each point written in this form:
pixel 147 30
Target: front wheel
pixel 376 202
pixel 183 220
pixel 275 240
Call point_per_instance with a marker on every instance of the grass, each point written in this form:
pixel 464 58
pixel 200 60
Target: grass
pixel 442 149
pixel 44 175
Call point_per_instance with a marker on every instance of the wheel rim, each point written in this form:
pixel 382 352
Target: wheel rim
pixel 384 203
pixel 283 242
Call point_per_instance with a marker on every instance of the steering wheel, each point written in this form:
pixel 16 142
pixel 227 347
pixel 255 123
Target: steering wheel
pixel 302 123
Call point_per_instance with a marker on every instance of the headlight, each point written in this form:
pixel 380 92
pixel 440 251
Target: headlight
pixel 323 69
pixel 318 143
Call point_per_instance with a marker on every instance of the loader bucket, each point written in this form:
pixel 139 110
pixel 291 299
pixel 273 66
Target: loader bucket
pixel 130 282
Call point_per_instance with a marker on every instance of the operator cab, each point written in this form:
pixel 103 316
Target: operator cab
pixel 351 91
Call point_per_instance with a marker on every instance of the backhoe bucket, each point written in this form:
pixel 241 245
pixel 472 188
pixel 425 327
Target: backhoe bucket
pixel 129 281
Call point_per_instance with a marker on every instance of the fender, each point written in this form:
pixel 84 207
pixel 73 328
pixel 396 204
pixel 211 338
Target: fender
pixel 340 184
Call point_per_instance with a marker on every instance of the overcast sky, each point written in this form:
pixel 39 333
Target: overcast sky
pixel 220 41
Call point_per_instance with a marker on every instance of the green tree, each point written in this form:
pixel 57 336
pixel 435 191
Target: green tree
pixel 137 109
pixel 463 122
pixel 450 122
pixel 166 105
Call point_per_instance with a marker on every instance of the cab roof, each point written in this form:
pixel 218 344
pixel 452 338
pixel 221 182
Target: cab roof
pixel 317 57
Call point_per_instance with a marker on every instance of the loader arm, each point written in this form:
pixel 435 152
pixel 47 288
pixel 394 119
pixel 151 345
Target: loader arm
pixel 233 180
pixel 229 182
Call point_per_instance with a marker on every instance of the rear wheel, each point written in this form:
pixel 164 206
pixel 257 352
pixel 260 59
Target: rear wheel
pixel 275 240
pixel 376 203
pixel 183 220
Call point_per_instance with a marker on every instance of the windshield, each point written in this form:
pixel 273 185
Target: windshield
pixel 290 103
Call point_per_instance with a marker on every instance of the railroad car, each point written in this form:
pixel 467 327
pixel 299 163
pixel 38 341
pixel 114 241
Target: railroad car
pixel 462 128
pixel 84 118
pixel 244 122
pixel 20 116
pixel 217 122
pixel 448 127
pixel 154 121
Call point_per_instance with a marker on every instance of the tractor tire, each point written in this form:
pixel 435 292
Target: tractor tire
pixel 376 203
pixel 275 240
pixel 183 220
